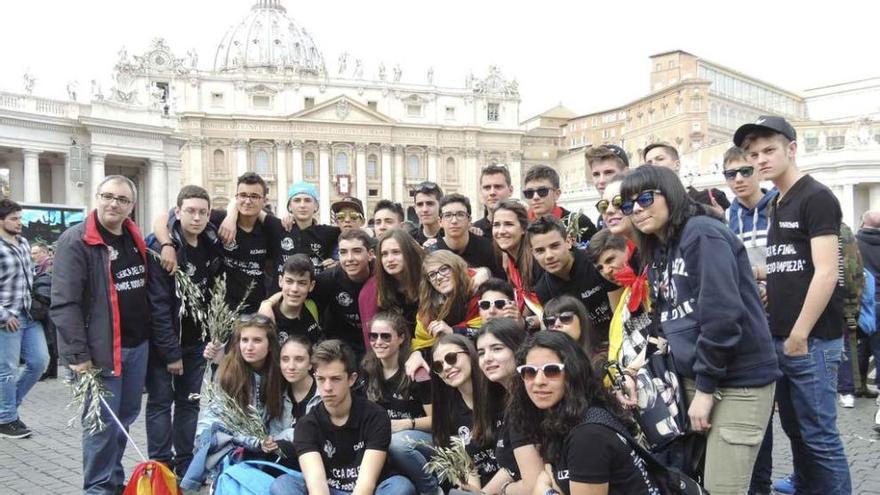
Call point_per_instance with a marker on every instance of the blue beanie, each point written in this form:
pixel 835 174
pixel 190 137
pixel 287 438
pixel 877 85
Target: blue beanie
pixel 303 188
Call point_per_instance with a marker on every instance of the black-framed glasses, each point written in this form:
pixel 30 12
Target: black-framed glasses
pixel 566 317
pixel 602 204
pixel 376 336
pixel 443 271
pixel 426 187
pixel 109 198
pixel 746 172
pixel 451 358
pixel 249 196
pixel 644 199
pixel 457 215
pixel 542 192
pixel 551 371
pixel 485 304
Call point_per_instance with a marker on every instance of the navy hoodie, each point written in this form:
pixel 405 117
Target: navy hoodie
pixel 751 225
pixel 717 331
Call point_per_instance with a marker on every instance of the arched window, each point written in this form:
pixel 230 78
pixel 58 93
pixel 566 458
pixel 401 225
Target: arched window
pixel 413 166
pixel 451 173
pixel 219 162
pixel 261 162
pixel 309 169
pixel 372 167
pixel 341 164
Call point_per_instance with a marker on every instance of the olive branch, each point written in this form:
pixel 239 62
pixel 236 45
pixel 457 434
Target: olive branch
pixel 88 387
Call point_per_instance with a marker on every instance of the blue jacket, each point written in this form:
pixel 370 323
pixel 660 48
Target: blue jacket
pixel 751 225
pixel 710 310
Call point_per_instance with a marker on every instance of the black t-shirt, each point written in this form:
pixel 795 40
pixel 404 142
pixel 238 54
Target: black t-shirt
pixel 304 324
pixel 808 210
pixel 342 447
pixel 337 298
pixel 587 285
pixel 250 258
pixel 482 455
pixel 509 439
pixel 198 267
pixel 419 235
pixel 299 408
pixel 478 252
pixel 595 454
pixel 409 405
pixel 130 279
pixel 317 242
pixel 485 225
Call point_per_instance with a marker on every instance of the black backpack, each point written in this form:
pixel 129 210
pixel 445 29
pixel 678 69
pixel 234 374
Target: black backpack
pixel 670 481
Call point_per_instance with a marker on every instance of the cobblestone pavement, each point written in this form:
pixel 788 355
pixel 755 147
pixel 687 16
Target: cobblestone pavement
pixel 50 461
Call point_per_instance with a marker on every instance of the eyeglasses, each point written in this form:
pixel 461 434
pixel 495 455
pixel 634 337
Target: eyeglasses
pixel 458 215
pixel 194 212
pixel 451 358
pixel 249 196
pixel 566 317
pixel 345 216
pixel 551 371
pixel 603 204
pixel 542 192
pixel 644 199
pixel 485 304
pixel 376 336
pixel 109 198
pixel 443 271
pixel 426 187
pixel 746 172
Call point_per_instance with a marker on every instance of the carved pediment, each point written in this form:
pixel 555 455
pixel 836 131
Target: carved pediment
pixel 261 89
pixel 343 109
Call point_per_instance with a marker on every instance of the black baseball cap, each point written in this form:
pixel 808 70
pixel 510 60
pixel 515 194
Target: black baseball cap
pixel 348 202
pixel 765 122
pixel 618 151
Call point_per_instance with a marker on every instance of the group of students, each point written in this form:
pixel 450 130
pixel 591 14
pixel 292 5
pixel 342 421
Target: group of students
pixel 540 341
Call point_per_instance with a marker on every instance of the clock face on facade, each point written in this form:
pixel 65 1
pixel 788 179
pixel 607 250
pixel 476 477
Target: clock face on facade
pixel 159 59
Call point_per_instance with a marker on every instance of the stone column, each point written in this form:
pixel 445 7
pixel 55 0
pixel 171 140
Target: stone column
pixel 399 190
pixel 297 149
pixel 432 164
pixel 387 192
pixel 241 156
pixel 281 174
pixel 847 204
pixel 31 176
pixel 174 182
pixel 361 173
pixel 324 181
pixel 73 195
pixel 58 183
pixel 96 175
pixel 874 197
pixel 158 185
pixel 196 170
pixel 468 179
pixel 515 168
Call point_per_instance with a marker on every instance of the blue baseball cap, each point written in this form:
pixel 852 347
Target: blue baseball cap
pixel 303 188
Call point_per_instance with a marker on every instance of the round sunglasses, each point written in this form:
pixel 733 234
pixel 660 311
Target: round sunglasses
pixel 451 358
pixel 603 204
pixel 644 200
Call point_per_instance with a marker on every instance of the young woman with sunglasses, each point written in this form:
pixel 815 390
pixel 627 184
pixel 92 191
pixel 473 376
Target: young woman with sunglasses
pixel 497 343
pixel 568 315
pixel 460 408
pixel 706 301
pixel 395 285
pixel 550 405
pixel 509 223
pixel 408 402
pixel 299 396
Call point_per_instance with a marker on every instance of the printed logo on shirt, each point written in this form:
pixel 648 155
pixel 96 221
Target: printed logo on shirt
pixel 113 253
pixel 789 225
pixel 589 292
pixel 190 269
pixel 465 434
pixel 329 449
pixel 287 244
pixel 232 246
pixel 359 446
pixel 344 299
pixel 562 474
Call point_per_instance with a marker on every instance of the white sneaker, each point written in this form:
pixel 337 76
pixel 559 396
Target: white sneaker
pixel 848 401
pixel 877 421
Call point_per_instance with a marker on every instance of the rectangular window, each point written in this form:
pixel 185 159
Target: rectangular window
pixel 414 110
pixel 308 102
pixel 450 112
pixel 217 99
pixel 811 140
pixel 836 142
pixel 373 193
pixel 372 105
pixel 262 101
pixel 492 112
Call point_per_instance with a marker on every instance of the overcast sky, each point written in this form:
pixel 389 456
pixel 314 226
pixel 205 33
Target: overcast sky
pixel 587 55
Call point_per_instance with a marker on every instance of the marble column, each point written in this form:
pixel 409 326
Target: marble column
pixel 469 178
pixel 874 197
pixel 73 188
pixel 399 189
pixel 31 176
pixel 387 192
pixel 174 181
pixel 281 175
pixel 96 175
pixel 241 156
pixel 361 173
pixel 195 169
pixel 515 168
pixel 157 185
pixel 324 181
pixel 847 204
pixel 58 182
pixel 432 164
pixel 297 150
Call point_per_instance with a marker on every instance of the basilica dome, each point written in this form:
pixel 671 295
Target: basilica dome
pixel 267 39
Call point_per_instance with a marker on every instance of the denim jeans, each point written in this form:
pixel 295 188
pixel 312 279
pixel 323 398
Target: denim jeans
pixel 165 390
pixel 807 398
pixel 845 375
pixel 410 458
pixel 27 344
pixel 869 345
pixel 102 452
pixel 296 485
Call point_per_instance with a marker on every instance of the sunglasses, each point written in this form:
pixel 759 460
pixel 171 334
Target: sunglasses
pixel 255 318
pixel 443 271
pixel 746 172
pixel 565 318
pixel 644 199
pixel 426 187
pixel 376 336
pixel 542 192
pixel 485 304
pixel 345 216
pixel 451 358
pixel 603 204
pixel 551 371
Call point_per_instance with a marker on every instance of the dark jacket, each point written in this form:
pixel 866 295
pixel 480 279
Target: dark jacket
pixel 84 302
pixel 164 302
pixel 869 246
pixel 710 311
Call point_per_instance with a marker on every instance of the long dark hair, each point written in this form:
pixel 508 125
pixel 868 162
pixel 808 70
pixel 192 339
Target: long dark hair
pixel 372 366
pixel 512 334
pixel 444 396
pixel 589 334
pixel 582 391
pixel 235 373
pixel 522 256
pixel 391 293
